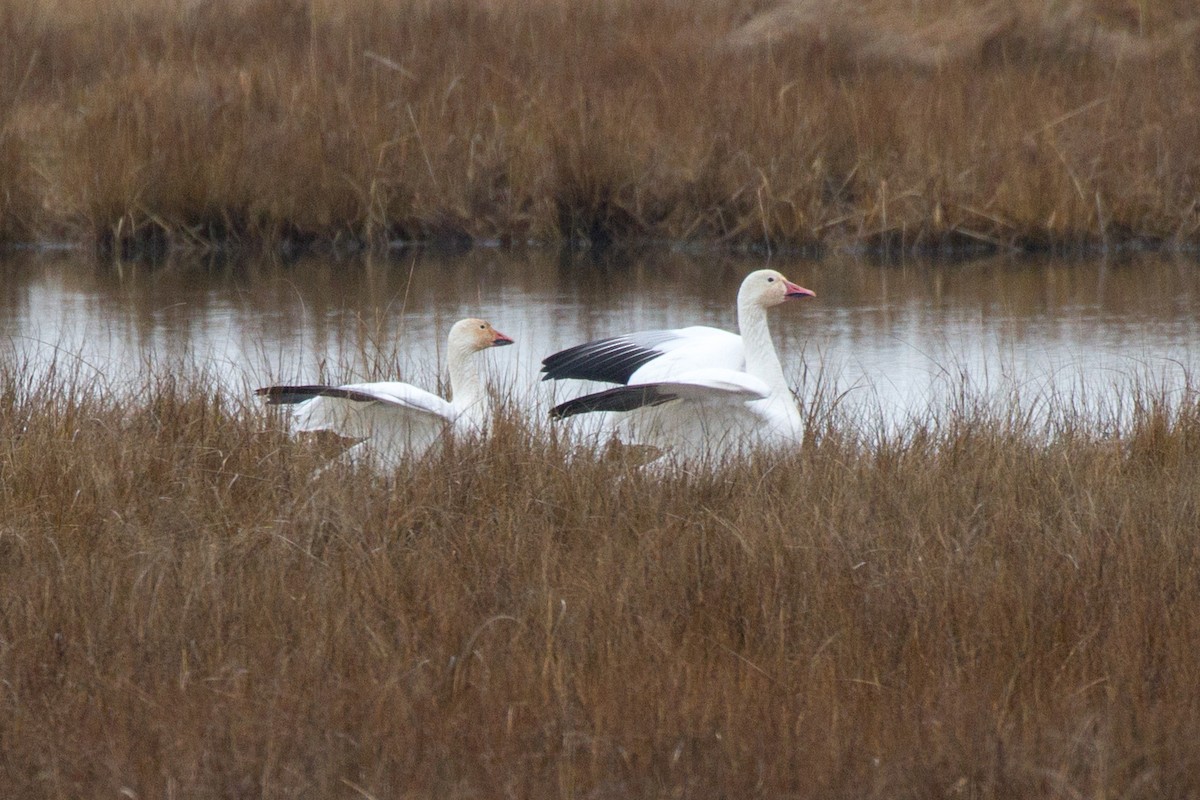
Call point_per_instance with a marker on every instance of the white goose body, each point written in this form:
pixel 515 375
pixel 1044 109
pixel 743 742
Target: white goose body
pixel 697 391
pixel 396 420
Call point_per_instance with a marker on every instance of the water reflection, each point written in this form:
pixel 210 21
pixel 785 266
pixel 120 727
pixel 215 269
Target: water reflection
pixel 898 337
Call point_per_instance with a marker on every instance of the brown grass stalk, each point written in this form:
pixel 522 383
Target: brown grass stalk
pixel 974 605
pixel 811 122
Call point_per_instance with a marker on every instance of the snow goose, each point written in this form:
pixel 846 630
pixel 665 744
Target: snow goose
pixel 696 391
pixel 398 419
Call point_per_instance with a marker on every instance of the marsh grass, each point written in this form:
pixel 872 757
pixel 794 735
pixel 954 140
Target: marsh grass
pixel 811 123
pixel 965 607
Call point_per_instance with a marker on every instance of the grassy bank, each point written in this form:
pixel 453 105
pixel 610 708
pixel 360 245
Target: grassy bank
pixel 964 608
pixel 816 123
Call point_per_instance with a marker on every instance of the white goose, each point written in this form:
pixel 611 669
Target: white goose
pixel 398 419
pixel 695 391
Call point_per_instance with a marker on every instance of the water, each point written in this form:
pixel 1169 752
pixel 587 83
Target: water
pixel 896 340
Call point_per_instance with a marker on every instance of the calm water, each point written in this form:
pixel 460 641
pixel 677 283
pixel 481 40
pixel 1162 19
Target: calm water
pixel 898 339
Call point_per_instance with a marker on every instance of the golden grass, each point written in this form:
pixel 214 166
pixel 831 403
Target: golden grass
pixel 814 122
pixel 967 607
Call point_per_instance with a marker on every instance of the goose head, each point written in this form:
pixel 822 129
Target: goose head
pixel 472 335
pixel 767 287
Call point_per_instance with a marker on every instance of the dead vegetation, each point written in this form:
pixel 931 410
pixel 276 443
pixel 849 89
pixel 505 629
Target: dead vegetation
pixel 951 124
pixel 971 606
pixel 955 35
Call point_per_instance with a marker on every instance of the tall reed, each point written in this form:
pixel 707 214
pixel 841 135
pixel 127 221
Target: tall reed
pixel 965 607
pixel 815 122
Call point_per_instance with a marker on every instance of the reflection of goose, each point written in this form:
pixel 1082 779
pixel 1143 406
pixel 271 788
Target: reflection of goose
pixel 693 390
pixel 398 419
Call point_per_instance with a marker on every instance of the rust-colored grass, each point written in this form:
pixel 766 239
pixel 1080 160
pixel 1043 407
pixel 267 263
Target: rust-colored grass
pixel 957 123
pixel 970 606
pixel 813 121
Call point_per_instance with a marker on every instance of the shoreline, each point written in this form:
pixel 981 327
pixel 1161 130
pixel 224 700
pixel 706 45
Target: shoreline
pixel 159 251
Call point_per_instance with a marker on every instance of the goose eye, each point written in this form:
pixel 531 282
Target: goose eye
pixel 770 280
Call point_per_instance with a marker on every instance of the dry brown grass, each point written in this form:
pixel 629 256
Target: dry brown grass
pixel 812 122
pixel 964 608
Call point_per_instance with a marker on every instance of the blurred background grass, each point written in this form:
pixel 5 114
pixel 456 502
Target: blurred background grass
pixel 949 124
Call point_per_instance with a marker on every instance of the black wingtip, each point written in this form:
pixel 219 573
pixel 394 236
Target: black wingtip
pixel 612 360
pixel 290 395
pixel 622 398
pixel 283 395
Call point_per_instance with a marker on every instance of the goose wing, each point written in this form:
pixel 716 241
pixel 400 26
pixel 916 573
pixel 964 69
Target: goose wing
pixel 673 352
pixel 387 409
pixel 708 385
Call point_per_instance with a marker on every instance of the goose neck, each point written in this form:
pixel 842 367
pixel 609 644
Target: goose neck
pixel 761 359
pixel 466 385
